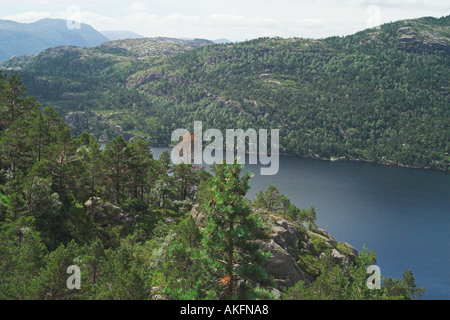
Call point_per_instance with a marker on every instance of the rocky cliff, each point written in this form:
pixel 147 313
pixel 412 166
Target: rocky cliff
pixel 296 251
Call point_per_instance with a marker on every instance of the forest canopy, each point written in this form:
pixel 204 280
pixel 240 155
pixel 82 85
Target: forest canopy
pixel 379 95
pixel 123 219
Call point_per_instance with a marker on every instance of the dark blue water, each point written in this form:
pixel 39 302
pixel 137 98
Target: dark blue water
pixel 402 214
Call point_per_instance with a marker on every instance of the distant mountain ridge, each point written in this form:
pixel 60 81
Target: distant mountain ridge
pixel 120 35
pixel 222 41
pixel 31 38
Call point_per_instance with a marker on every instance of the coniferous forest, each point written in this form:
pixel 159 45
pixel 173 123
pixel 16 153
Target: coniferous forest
pixel 125 220
pixel 380 95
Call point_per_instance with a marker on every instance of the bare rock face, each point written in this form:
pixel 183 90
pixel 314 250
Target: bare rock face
pixel 282 266
pixel 198 216
pixel 285 246
pixel 406 30
pixel 430 40
pixel 103 211
pixel 285 235
pixel 407 34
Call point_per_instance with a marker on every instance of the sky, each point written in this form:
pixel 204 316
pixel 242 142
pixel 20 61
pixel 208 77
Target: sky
pixel 235 20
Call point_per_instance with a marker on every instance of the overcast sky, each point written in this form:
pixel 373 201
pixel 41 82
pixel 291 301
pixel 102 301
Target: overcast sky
pixel 236 20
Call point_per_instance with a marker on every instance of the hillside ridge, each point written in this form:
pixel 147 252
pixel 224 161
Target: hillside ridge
pixel 380 95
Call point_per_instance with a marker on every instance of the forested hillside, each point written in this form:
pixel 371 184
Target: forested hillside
pixel 125 221
pixel 379 95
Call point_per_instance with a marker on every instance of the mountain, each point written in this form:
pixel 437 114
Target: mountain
pixel 31 38
pixel 381 95
pixel 222 41
pixel 118 35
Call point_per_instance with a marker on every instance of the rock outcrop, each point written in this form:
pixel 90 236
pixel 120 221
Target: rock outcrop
pixel 104 211
pixel 287 242
pixel 198 216
pixel 430 40
pixel 284 246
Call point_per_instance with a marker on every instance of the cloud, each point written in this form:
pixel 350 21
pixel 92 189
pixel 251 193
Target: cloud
pixel 238 21
pixel 196 26
pixel 388 3
pixel 137 7
pixel 179 18
pixel 234 19
pixel 30 16
pixel 311 22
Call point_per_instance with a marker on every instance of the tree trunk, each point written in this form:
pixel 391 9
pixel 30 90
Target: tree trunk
pixel 230 261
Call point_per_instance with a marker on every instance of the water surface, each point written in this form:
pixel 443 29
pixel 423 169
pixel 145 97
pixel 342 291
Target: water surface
pixel 402 214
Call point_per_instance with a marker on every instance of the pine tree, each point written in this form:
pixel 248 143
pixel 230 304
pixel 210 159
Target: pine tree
pixel 140 162
pixel 38 136
pixel 62 165
pixel 22 255
pixel 17 207
pixel 260 201
pixel 164 185
pixel 52 283
pixel 89 171
pixel 186 180
pixel 415 291
pixel 285 204
pixel 229 238
pixel 272 196
pixel 116 168
pixel 13 101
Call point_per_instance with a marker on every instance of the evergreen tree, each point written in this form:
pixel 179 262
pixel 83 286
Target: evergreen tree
pixel 52 282
pixel 115 163
pixel 306 217
pixel 140 163
pixel 89 175
pixel 13 102
pixel 272 197
pixel 186 179
pixel 164 186
pixel 260 201
pixel 231 229
pixel 22 255
pixel 285 204
pixel 62 163
pixel 39 135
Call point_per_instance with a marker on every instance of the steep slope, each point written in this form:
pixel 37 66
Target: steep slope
pixel 30 38
pixel 379 95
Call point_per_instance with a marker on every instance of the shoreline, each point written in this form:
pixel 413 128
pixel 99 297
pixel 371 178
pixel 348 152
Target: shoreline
pixel 336 159
pixel 386 163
